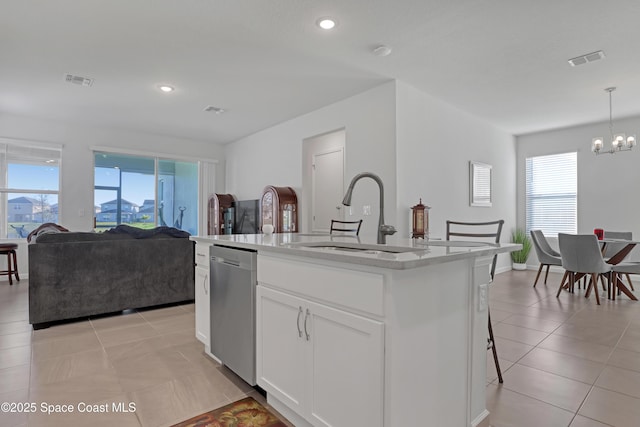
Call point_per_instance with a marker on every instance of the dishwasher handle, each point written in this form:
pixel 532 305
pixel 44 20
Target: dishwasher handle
pixel 225 261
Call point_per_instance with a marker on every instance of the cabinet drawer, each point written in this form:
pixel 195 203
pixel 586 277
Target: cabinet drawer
pixel 202 254
pixel 348 288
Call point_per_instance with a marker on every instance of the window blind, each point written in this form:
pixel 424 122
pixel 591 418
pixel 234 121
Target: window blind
pixel 551 193
pixel 482 186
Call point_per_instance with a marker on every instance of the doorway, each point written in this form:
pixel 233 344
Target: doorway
pixel 324 179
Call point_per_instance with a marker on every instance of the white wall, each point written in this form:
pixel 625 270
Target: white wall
pixel 418 145
pixel 435 143
pixel 275 156
pixel 76 192
pixel 607 184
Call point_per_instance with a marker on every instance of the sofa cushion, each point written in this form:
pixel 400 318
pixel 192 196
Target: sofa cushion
pixel 141 233
pixel 121 232
pixel 78 236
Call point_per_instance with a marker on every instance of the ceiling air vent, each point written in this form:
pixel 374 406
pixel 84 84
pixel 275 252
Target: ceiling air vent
pixel 77 80
pixel 217 110
pixel 589 57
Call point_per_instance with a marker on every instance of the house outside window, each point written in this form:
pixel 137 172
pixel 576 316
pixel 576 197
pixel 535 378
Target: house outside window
pixel 145 192
pixel 29 186
pixel 552 193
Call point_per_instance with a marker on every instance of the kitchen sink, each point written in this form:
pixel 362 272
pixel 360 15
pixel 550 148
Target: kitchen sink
pixel 363 248
pixel 352 247
pixel 454 243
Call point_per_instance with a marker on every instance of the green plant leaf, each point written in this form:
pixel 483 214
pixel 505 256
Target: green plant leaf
pixel 520 236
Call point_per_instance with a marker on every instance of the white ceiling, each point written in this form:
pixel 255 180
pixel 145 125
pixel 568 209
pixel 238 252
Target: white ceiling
pixel 504 61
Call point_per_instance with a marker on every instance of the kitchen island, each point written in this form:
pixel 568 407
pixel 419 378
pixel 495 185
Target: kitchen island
pixel 350 333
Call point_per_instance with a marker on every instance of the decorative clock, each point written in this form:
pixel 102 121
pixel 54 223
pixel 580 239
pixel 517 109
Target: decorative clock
pixel 217 206
pixel 279 207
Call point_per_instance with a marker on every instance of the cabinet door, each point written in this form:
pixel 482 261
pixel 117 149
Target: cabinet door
pixel 346 355
pixel 202 306
pixel 280 346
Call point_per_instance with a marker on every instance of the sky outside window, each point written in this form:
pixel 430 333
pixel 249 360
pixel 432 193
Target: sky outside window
pixel 33 177
pixel 136 187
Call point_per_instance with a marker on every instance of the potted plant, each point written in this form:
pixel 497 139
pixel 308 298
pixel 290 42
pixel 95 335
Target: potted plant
pixel 519 258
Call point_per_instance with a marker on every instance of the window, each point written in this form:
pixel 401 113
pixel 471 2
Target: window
pixel 29 187
pixel 145 192
pixel 551 193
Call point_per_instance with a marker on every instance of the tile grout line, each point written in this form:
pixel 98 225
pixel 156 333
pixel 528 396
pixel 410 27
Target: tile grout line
pixel 592 385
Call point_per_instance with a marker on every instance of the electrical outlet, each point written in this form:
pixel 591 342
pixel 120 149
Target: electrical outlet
pixel 366 210
pixel 482 297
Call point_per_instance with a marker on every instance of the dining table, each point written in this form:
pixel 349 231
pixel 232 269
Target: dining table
pixel 626 247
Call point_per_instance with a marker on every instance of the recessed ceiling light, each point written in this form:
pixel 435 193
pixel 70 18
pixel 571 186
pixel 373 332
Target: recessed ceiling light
pixel 381 50
pixel 166 88
pixel 326 23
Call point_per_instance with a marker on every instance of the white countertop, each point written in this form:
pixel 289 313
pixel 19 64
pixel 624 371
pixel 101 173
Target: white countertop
pixel 421 253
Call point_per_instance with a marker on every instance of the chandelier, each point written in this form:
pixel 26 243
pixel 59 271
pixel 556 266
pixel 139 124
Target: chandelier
pixel 619 141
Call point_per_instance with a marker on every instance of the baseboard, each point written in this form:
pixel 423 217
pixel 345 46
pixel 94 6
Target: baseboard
pixel 482 420
pixel 291 416
pixel 503 269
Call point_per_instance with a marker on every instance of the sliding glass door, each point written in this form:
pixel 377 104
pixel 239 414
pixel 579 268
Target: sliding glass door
pixel 145 192
pixel 178 194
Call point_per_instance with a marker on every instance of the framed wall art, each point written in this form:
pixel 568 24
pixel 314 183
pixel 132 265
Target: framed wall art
pixel 480 184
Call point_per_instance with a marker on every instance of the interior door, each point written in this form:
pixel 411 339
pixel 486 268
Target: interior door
pixel 327 176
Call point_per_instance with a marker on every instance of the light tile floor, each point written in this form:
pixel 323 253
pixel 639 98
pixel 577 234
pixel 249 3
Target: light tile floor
pixel 150 358
pixel 565 361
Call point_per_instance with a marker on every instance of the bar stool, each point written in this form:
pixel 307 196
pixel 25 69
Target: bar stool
pixel 9 249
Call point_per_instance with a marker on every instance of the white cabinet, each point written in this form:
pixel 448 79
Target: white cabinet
pixel 346 353
pixel 280 346
pixel 325 364
pixel 202 294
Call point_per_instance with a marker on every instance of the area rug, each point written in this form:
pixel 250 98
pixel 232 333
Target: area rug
pixel 243 413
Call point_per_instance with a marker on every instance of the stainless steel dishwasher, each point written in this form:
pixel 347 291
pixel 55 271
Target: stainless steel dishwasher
pixel 233 296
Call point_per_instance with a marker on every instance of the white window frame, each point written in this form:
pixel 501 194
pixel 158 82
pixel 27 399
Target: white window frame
pixel 555 193
pixel 5 143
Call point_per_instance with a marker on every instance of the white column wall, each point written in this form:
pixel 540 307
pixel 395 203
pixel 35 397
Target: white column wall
pixel 275 156
pixel 435 143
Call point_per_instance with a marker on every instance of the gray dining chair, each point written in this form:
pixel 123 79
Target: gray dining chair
pixel 618 270
pixel 611 249
pixel 581 255
pixel 546 254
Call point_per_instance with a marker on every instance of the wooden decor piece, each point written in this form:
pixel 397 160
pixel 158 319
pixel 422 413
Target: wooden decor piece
pixel 279 207
pixel 216 207
pixel 420 221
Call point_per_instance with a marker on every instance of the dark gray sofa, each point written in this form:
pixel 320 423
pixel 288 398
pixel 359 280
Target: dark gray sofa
pixel 74 275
